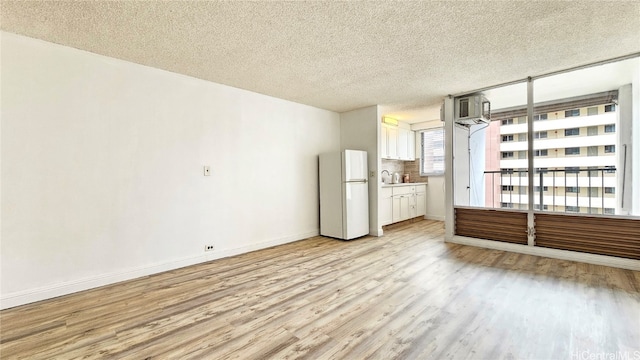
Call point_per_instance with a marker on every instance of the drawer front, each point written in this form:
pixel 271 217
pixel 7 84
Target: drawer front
pixel 386 192
pixel 403 190
pixel 421 188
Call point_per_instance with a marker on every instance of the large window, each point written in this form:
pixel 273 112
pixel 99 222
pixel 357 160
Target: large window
pixel 575 144
pixel 577 161
pixel 432 159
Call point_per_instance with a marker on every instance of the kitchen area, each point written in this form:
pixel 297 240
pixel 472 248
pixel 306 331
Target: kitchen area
pixel 403 193
pixel 396 191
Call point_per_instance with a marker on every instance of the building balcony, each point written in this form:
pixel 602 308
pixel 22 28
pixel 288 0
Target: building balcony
pixel 584 188
pixel 561 143
pixel 561 162
pixel 566 123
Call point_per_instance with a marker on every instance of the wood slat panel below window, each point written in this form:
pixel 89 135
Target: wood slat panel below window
pixel 596 235
pixel 490 224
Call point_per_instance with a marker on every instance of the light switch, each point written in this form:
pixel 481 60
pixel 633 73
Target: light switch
pixel 207 170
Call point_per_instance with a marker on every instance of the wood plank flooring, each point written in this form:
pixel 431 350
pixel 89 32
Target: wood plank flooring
pixel 406 295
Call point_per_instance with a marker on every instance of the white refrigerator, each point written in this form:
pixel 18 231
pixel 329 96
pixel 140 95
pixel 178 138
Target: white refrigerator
pixel 344 194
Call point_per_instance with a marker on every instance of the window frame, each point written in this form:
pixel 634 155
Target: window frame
pixel 507 155
pixel 570 132
pixel 437 161
pixel 566 153
pixel 572 113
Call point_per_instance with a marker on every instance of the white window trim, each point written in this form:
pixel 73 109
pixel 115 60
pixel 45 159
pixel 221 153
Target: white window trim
pixel 432 159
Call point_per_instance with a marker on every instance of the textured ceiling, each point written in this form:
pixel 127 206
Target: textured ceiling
pixel 405 56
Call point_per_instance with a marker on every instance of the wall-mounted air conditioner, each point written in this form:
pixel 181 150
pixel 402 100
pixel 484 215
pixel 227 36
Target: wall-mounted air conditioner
pixel 471 110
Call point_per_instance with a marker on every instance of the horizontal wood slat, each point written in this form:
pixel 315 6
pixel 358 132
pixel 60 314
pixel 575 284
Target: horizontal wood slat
pixel 505 226
pixel 595 235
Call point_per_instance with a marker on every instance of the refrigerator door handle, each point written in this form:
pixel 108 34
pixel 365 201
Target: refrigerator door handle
pixel 357 181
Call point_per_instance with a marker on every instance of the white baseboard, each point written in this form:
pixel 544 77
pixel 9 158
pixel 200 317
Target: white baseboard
pixel 434 217
pixel 612 261
pixel 51 291
pixel 375 232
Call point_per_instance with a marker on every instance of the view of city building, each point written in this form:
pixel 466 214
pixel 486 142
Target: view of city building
pixel 574 157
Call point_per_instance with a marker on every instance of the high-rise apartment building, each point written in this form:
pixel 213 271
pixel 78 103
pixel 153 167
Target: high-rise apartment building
pixel 574 157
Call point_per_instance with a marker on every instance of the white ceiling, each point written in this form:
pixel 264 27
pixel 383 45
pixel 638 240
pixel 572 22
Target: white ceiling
pixel 404 56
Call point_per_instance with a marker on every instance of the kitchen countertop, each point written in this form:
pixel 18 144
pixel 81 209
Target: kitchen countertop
pixel 404 184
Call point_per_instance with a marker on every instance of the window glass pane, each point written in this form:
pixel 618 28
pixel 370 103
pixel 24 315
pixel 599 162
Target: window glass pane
pixel 572 132
pixel 571 113
pixel 432 159
pixel 575 148
pixel 582 175
pixel 541 135
pixel 490 160
pixel 572 151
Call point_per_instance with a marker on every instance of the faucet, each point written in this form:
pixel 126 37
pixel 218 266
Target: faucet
pixel 388 174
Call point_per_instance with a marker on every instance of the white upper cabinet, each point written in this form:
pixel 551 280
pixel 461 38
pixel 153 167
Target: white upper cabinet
pixel 403 144
pixel 406 144
pixel 389 142
pixel 384 148
pixel 398 143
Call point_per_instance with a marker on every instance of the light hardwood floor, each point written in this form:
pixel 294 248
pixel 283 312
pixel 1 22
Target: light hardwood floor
pixel 406 295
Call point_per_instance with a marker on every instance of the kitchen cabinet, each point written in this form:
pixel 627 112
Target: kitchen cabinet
pixel 384 142
pixel 421 200
pixel 406 144
pixel 397 143
pixel 402 202
pixel 389 142
pixel 401 207
pixel 412 145
pixel 386 206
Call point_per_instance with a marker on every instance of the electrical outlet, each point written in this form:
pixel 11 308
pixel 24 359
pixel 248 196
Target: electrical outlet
pixel 209 248
pixel 207 171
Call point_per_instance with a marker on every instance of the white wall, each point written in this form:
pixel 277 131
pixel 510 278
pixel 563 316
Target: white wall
pixel 360 130
pixel 461 185
pixel 624 151
pixel 477 153
pixel 635 150
pixel 102 170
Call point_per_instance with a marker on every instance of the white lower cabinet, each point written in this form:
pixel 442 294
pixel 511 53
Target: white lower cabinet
pixel 405 202
pixel 401 207
pixel 386 206
pixel 421 200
